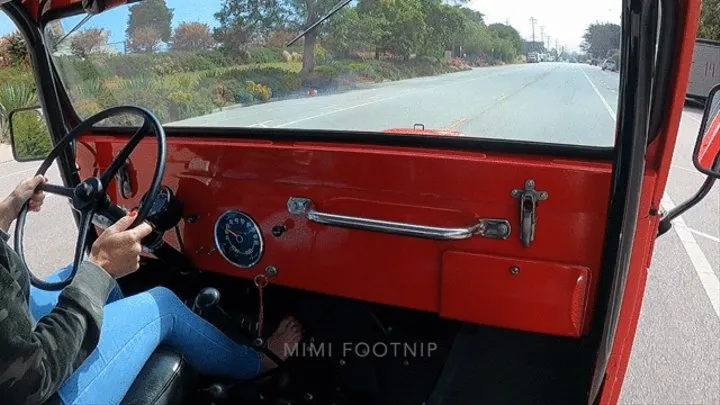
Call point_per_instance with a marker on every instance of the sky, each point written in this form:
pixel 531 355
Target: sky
pixel 564 20
pixel 115 20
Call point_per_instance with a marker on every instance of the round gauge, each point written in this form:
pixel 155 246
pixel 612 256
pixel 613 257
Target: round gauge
pixel 238 239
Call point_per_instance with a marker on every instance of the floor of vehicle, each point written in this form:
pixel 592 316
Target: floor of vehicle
pixel 361 353
pixel 498 366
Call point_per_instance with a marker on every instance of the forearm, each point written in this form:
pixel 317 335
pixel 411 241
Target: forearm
pixel 6 214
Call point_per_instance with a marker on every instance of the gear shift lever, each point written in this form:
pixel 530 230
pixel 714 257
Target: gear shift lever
pixel 206 301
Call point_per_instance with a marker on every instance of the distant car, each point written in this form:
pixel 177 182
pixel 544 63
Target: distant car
pixel 532 57
pixel 610 65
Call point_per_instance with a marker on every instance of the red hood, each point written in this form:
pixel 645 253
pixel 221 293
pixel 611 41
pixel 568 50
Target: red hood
pixel 423 131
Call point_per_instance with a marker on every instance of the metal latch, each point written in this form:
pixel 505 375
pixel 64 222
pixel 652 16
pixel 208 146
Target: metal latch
pixel 529 198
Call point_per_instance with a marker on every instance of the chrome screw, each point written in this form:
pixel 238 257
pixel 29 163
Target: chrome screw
pixel 271 271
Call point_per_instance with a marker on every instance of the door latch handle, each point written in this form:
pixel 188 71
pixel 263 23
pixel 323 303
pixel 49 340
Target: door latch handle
pixel 487 227
pixel 529 198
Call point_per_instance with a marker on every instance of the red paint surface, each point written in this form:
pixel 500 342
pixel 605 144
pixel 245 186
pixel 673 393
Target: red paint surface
pixel 659 159
pixel 514 293
pixel 423 186
pixel 419 131
pixel 203 186
pixel 710 145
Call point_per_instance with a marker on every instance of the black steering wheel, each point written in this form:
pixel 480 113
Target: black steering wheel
pixel 90 196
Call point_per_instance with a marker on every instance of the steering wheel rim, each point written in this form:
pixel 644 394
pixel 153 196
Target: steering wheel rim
pixel 90 195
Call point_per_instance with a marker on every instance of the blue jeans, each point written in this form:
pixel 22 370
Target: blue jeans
pixel 132 329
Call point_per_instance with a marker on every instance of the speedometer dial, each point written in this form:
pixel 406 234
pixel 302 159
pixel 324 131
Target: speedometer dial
pixel 238 238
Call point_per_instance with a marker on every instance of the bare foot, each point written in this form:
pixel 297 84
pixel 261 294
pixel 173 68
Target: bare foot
pixel 282 341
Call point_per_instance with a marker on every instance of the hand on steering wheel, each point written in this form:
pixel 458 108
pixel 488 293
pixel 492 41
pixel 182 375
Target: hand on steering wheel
pixel 90 195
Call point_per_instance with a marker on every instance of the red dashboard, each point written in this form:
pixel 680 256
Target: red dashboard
pixel 546 287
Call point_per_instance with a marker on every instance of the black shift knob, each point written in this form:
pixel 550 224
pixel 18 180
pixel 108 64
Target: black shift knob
pixel 206 300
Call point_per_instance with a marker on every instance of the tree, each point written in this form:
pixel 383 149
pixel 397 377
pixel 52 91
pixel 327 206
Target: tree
pixel 599 38
pixel 13 51
pixel 305 13
pixel 442 23
pixel 349 31
pixel 143 40
pixel 192 36
pixel 153 14
pixel 475 39
pixel 710 20
pixel 404 27
pixel 509 34
pixel 243 22
pixel 87 41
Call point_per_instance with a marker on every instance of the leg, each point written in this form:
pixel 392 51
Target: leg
pixel 42 302
pixel 133 328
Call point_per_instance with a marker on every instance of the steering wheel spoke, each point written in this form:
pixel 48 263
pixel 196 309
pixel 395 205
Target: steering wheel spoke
pixel 58 190
pixel 124 154
pixel 84 228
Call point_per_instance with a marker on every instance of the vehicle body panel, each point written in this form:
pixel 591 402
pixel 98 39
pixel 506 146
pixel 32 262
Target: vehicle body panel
pixel 418 185
pixel 397 184
pixel 658 161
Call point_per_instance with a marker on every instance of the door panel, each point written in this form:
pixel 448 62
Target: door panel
pixel 411 185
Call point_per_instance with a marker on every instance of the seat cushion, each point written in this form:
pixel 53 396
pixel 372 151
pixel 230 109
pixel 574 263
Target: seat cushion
pixel 166 379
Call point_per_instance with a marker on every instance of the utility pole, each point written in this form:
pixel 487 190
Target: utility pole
pixel 542 35
pixel 533 21
pixel 548 39
pixel 556 44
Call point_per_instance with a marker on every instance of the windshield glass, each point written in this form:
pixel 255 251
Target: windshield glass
pixel 516 70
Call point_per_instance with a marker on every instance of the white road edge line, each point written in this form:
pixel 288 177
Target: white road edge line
pixel 605 103
pixel 703 269
pixel 704 235
pixel 344 109
pixel 692 118
pixel 683 168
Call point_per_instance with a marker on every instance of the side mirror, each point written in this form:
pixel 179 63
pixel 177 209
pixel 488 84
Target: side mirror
pixel 706 156
pixel 29 134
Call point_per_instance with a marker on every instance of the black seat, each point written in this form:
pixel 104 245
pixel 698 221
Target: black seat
pixel 166 379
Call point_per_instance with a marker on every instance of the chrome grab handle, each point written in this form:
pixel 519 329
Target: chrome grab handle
pixel 488 228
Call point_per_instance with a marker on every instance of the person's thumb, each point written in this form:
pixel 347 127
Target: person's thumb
pixel 36 181
pixel 122 224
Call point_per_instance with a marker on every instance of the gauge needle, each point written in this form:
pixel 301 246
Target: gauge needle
pixel 233 233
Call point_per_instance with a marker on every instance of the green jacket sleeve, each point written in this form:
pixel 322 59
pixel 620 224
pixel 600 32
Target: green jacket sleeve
pixel 37 358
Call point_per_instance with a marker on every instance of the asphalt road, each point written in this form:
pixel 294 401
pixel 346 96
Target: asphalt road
pixel 553 102
pixel 676 356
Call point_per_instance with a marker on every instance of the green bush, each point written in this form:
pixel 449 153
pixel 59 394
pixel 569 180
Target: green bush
pixel 32 138
pixel 16 75
pixel 259 91
pixel 280 81
pixel 266 55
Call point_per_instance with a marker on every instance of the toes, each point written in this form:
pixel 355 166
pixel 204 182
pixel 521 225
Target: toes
pixel 283 327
